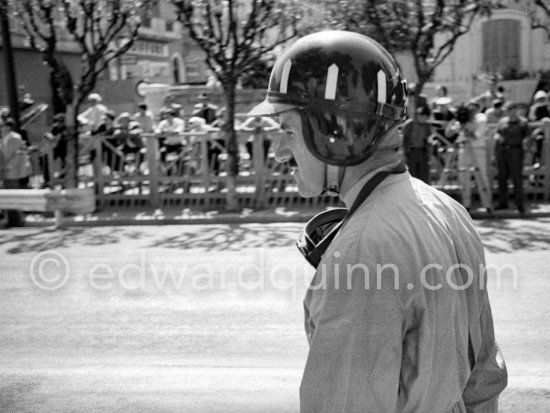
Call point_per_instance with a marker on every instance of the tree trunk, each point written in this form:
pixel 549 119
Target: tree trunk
pixel 58 104
pixel 232 201
pixel 71 164
pixel 61 83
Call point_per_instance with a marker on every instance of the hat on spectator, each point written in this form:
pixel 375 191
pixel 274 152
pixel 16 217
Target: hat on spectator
pixel 497 103
pixel 95 96
pixel 510 105
pixel 444 100
pixel 110 114
pixel 167 111
pixel 540 95
pixel 473 102
pixel 196 120
pixel 123 116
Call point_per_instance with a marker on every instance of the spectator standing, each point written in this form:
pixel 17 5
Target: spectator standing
pixel 440 92
pixel 479 139
pixel 145 118
pixel 538 111
pixel 92 117
pixel 485 100
pixel 216 145
pixel 15 166
pixel 204 109
pixel 106 129
pixel 472 132
pixel 259 126
pixel 442 114
pixel 198 125
pixel 415 99
pixel 493 115
pixel 416 144
pixel 511 133
pixel 128 133
pixel 56 141
pixel 107 126
pixel 539 108
pixel 496 112
pixel 171 128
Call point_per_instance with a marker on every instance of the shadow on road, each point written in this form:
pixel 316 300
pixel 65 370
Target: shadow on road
pixel 48 239
pixel 510 236
pixel 232 237
pixel 499 236
pixel 209 238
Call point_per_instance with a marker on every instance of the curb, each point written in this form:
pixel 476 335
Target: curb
pixel 229 219
pixel 238 219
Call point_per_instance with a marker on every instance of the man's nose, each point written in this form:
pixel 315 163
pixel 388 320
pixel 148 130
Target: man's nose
pixel 282 149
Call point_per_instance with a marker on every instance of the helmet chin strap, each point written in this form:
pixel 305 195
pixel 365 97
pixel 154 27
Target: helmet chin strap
pixel 334 175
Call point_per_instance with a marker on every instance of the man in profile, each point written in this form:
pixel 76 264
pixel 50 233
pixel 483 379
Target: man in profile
pixel 419 337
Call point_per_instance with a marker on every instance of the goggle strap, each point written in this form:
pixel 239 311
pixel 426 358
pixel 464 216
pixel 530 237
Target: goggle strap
pixel 371 185
pixel 332 180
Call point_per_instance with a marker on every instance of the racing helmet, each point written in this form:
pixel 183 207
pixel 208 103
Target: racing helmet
pixel 347 89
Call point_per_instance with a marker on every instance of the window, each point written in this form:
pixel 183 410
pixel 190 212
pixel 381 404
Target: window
pixel 501 46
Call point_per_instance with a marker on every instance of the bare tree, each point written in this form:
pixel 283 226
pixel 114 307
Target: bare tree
pixel 538 12
pixel 38 18
pixel 103 31
pixel 428 29
pixel 235 35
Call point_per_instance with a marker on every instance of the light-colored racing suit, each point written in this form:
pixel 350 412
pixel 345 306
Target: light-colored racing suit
pixel 397 315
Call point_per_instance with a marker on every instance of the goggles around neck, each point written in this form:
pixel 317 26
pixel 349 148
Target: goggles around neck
pixel 318 233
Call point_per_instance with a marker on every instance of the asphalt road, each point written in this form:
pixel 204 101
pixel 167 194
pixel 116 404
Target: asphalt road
pixel 179 318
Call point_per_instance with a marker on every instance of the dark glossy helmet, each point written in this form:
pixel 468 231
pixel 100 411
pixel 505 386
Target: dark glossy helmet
pixel 347 88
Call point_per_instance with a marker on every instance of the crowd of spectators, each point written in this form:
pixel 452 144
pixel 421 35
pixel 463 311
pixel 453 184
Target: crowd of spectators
pixel 495 132
pixel 483 131
pixel 123 135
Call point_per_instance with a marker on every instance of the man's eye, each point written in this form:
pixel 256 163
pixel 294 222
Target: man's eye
pixel 289 133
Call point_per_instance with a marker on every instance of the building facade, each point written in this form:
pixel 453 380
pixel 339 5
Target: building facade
pixel 156 56
pixel 503 45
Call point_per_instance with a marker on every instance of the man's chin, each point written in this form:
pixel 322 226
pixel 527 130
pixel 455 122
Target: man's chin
pixel 306 191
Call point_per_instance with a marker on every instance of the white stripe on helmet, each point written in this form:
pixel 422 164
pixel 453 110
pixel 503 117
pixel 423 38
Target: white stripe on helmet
pixel 284 76
pixel 332 82
pixel 381 77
